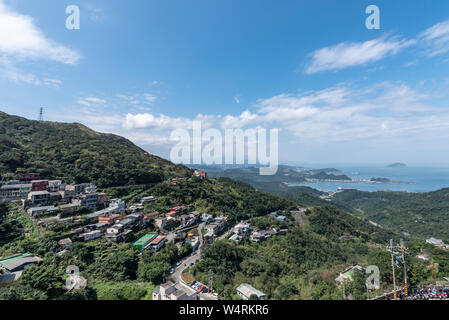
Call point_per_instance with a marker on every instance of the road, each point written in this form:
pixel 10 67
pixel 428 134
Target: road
pixel 187 262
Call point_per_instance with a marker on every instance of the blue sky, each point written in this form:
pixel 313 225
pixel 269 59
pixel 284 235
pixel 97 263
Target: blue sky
pixel 337 91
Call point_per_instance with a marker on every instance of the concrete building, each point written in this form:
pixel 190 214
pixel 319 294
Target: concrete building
pixel 144 242
pixel 170 291
pixel 89 200
pixel 11 192
pixel 39 185
pixel 88 236
pixel 245 291
pixel 157 244
pixel 33 212
pixel 38 198
pixel 11 268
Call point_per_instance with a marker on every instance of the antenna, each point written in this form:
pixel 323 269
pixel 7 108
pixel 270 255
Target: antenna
pixel 41 114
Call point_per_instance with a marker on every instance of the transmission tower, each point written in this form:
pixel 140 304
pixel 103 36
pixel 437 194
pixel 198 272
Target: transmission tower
pixel 41 114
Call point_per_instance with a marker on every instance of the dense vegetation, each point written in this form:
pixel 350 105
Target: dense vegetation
pixel 236 200
pixel 304 263
pixel 75 153
pixel 420 214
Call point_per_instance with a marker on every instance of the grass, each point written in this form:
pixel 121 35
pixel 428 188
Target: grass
pixel 129 290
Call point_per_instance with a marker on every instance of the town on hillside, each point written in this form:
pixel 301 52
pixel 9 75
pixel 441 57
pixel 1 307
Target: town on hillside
pixel 87 215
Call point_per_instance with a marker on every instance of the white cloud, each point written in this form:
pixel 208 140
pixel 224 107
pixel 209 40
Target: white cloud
pixel 350 54
pixel 343 114
pixel 21 38
pixel 138 99
pixel 91 101
pixel 437 38
pixel 96 14
pixel 243 120
pixel 10 72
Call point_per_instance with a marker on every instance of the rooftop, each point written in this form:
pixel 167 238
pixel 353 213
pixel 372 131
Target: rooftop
pixel 145 239
pixel 248 290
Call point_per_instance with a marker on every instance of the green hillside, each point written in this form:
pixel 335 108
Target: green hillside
pixel 75 153
pixel 420 214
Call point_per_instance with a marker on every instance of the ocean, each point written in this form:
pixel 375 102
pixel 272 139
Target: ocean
pixel 418 179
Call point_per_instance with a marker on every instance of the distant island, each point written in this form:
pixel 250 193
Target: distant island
pixel 386 180
pixel 397 165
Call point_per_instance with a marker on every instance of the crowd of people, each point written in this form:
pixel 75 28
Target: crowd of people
pixel 426 293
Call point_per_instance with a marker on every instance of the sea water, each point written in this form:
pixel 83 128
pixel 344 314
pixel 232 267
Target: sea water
pixel 414 178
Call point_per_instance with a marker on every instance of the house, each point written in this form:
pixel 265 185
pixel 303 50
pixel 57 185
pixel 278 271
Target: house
pixel 435 242
pixel 194 242
pixel 200 174
pixel 11 268
pixel 171 214
pixel 67 210
pixel 28 177
pixel 205 217
pixel 55 185
pixel 89 200
pixel 242 229
pixel 169 291
pixel 246 292
pixel 147 199
pixel 88 236
pixel 236 238
pixel 39 185
pixel 115 229
pixel 157 243
pixel 102 198
pixel 38 198
pixel 160 222
pixel 34 212
pixel 10 192
pixel 116 206
pixel 65 243
pixel 278 217
pixel 135 208
pixel 110 219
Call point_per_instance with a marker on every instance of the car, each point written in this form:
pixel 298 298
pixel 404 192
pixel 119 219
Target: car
pixel 201 289
pixel 172 270
pixel 215 295
pixel 178 263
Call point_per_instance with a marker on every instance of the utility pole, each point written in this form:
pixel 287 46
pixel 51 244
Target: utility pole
pixel 405 268
pixel 392 266
pixel 211 281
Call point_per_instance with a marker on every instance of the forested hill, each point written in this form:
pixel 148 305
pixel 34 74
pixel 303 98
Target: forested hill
pixel 420 214
pixel 75 153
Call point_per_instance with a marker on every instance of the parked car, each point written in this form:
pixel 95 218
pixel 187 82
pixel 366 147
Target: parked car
pixel 202 288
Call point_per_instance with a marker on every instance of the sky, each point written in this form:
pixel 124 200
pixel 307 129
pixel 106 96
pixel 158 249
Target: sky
pixel 337 91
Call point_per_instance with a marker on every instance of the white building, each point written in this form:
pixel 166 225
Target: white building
pixel 245 291
pixel 169 291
